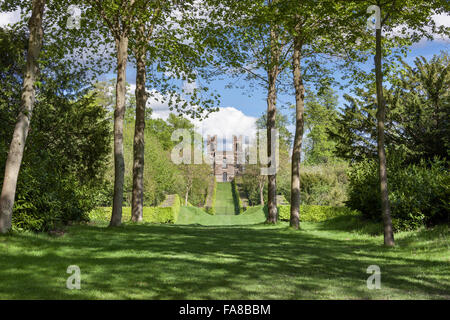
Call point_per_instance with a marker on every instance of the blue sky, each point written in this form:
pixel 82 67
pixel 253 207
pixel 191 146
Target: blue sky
pixel 255 104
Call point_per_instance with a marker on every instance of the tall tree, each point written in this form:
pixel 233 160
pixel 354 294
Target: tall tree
pixel 256 47
pixel 420 103
pixel 273 70
pixel 294 220
pixel 137 202
pixel 144 33
pixel 314 29
pixel 381 116
pixel 21 129
pixel 118 19
pixel 415 21
pixel 168 36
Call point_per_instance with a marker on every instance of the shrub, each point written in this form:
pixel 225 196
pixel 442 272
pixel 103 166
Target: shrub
pixel 47 200
pixel 284 213
pixel 323 184
pixel 314 213
pixel 418 194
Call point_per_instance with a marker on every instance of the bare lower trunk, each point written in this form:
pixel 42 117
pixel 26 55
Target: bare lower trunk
pixel 119 112
pixel 186 198
pixel 261 191
pixel 21 129
pixel 381 114
pixel 137 205
pixel 299 122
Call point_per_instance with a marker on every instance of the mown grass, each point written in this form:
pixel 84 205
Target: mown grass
pixel 225 204
pixel 196 216
pixel 147 261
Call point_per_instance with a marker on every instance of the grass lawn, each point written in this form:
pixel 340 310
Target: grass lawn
pixel 147 261
pixel 224 199
pixel 196 216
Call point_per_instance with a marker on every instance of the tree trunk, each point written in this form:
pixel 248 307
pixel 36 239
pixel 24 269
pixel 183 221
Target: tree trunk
pixel 272 185
pixel 381 114
pixel 186 197
pixel 299 123
pixel 119 113
pixel 271 124
pixel 16 148
pixel 261 191
pixel 137 205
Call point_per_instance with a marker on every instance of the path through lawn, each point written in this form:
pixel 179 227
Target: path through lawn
pixel 228 262
pixel 196 216
pixel 224 199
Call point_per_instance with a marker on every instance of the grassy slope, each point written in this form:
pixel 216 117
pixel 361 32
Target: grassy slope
pixel 224 199
pixel 239 262
pixel 196 216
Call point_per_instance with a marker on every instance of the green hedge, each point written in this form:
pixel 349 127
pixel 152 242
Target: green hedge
pixel 167 214
pixel 315 213
pixel 210 205
pixel 236 198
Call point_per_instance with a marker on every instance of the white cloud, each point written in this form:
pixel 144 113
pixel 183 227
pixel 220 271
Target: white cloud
pixel 442 20
pixel 439 20
pixel 9 17
pixel 226 123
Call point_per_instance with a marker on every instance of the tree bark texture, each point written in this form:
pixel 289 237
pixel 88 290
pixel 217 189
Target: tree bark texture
pixel 381 114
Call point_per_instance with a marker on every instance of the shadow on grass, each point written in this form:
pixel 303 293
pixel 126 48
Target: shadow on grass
pixel 190 262
pixel 352 223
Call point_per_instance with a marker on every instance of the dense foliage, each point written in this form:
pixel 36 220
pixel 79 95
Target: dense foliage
pixel 419 193
pixel 417 131
pixel 418 109
pixel 320 114
pixel 67 146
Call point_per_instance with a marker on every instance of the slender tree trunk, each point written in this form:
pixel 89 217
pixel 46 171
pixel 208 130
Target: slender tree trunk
pixel 139 143
pixel 299 123
pixel 271 124
pixel 381 114
pixel 119 113
pixel 272 179
pixel 186 197
pixel 16 148
pixel 261 191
